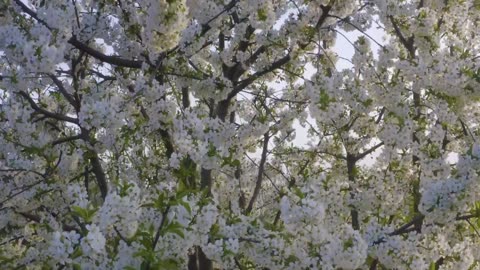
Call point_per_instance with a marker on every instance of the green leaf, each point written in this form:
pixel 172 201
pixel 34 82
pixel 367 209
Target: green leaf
pixel 134 30
pixel 215 231
pixel 324 100
pixel 38 53
pixel 348 244
pixel 262 14
pixel 167 264
pixel 185 205
pixel 175 228
pixel 124 189
pixel 212 151
pixel 85 213
pixel 367 102
pixel 147 205
pixel 298 192
pixel 291 259
pixel 32 150
pixel 476 4
pixel 77 253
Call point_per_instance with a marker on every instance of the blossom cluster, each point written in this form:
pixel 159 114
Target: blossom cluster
pixel 211 134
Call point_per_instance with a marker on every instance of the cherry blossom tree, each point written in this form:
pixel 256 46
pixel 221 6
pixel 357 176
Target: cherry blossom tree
pixel 161 134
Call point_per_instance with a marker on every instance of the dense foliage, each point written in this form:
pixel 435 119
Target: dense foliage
pixel 160 134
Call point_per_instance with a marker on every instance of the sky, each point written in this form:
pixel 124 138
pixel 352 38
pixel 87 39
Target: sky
pixel 344 49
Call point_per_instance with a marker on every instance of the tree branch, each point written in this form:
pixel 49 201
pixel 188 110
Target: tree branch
pixel 261 168
pixel 244 83
pixel 380 115
pixel 408 44
pixel 99 174
pixel 32 14
pixel 160 227
pixel 96 163
pixel 159 230
pixel 64 92
pixel 369 151
pixel 321 20
pixel 113 60
pixel 37 219
pixel 49 114
pixel 406 227
pixel 66 139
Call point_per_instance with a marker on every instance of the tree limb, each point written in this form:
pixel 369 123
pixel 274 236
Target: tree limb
pixel 64 92
pixel 99 174
pixel 244 83
pixel 32 14
pixel 49 114
pixel 261 168
pixel 66 139
pixel 113 60
pixel 369 151
pixel 408 44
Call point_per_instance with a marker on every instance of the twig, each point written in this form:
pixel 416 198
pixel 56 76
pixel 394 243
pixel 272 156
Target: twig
pixel 66 139
pixel 113 60
pixel 45 112
pixel 261 168
pixel 369 151
pixel 64 92
pixel 110 59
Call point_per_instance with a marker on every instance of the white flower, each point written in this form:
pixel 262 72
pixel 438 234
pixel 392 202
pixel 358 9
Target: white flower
pixel 62 245
pixel 476 150
pixel 349 251
pixel 94 242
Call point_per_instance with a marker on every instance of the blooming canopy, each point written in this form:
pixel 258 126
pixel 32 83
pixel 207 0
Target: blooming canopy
pixel 161 134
